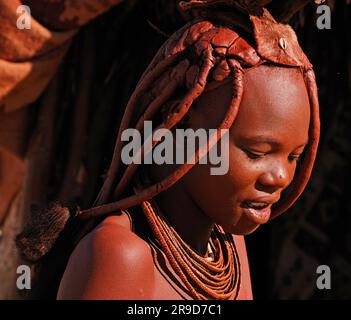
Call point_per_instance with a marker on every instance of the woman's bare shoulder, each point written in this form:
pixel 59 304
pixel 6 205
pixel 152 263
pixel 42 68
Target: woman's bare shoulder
pixel 111 262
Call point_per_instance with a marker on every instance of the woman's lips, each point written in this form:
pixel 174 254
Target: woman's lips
pixel 257 213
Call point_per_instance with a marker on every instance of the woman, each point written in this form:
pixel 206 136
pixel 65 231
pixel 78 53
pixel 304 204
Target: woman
pixel 176 231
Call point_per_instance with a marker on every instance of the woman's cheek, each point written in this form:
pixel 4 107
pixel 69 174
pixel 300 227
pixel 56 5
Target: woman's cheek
pixel 242 170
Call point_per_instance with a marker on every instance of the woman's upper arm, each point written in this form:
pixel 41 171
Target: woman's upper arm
pixel 109 263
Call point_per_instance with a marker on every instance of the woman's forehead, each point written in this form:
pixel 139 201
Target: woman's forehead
pixel 275 94
pixel 275 102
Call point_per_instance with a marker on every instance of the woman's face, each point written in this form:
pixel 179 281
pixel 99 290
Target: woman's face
pixel 266 140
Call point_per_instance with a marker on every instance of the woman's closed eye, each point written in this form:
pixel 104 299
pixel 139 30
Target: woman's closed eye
pixel 296 158
pixel 255 155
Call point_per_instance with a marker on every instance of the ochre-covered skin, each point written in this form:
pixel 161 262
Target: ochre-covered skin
pixel 219 73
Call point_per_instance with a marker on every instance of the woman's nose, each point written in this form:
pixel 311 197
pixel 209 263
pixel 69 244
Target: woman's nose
pixel 276 178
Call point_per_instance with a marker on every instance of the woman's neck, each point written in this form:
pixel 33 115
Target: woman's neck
pixel 189 221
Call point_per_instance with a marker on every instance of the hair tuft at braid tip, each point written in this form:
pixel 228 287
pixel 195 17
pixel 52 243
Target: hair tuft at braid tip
pixel 43 230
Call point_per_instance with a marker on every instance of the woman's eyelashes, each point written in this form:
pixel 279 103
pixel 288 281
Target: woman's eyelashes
pixel 254 155
pixel 296 158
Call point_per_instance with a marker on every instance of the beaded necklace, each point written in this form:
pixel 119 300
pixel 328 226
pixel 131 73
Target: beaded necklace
pixel 206 278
